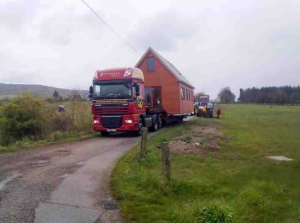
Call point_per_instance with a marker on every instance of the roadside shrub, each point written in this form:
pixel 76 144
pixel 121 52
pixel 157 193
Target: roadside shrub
pixel 62 121
pixel 22 116
pixel 57 135
pixel 35 119
pixel 214 213
pixel 80 113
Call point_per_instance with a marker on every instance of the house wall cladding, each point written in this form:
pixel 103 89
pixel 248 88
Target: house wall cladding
pixel 161 77
pixel 186 102
pixel 172 101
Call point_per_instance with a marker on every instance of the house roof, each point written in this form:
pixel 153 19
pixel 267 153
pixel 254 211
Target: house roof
pixel 168 65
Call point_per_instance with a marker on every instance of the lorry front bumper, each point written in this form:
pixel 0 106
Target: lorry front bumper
pixel 129 123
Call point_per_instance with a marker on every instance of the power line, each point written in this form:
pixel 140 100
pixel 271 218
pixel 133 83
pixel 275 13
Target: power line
pixel 110 27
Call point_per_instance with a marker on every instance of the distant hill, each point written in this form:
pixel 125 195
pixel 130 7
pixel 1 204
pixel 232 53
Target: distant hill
pixel 12 90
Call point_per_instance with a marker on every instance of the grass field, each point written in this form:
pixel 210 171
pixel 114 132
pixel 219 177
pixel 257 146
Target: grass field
pixel 233 183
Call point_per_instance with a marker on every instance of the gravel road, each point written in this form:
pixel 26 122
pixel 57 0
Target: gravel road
pixel 63 183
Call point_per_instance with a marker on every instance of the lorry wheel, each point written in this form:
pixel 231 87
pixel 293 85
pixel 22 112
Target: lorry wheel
pixel 160 121
pixel 139 131
pixel 104 133
pixel 180 120
pixel 154 128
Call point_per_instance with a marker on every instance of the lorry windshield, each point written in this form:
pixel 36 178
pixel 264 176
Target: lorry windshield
pixel 113 90
pixel 204 99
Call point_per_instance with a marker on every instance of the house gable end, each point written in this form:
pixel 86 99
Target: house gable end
pixel 167 65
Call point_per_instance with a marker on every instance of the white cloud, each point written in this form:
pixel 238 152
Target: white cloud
pixel 213 43
pixel 164 30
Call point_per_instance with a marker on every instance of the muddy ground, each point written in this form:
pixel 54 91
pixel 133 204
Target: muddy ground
pixel 201 139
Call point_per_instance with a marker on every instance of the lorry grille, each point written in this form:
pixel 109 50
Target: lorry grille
pixel 111 122
pixel 114 109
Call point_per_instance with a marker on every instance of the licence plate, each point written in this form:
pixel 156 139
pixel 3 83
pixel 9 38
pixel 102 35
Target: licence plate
pixel 111 130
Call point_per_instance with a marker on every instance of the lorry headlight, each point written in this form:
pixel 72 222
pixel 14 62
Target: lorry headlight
pixel 96 121
pixel 128 121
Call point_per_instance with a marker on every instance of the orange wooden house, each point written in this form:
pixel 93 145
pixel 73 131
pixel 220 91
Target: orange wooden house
pixel 165 87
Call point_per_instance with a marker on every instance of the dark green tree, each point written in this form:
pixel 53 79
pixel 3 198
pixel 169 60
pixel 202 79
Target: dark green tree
pixel 56 95
pixel 271 95
pixel 226 96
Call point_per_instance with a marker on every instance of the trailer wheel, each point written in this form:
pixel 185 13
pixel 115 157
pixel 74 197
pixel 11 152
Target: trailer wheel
pixel 139 131
pixel 104 133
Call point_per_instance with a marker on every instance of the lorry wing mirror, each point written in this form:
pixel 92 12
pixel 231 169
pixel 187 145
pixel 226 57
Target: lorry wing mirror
pixel 91 91
pixel 137 89
pixel 148 99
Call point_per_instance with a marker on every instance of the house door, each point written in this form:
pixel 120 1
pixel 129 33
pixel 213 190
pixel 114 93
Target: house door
pixel 157 103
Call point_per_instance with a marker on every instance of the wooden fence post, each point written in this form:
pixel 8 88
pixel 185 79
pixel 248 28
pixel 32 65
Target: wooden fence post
pixel 144 142
pixel 166 160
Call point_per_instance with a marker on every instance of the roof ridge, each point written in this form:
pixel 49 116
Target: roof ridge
pixel 168 65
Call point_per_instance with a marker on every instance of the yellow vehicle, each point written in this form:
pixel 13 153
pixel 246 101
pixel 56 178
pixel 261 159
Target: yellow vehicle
pixel 205 108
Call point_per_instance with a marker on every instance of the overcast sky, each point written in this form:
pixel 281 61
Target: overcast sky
pixel 214 44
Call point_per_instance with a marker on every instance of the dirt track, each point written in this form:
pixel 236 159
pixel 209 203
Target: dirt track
pixel 66 183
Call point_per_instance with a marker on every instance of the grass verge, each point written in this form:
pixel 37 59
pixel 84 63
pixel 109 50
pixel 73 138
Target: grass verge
pixel 235 184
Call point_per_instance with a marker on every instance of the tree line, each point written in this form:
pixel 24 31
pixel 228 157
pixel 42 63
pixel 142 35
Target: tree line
pixel 271 95
pixel 225 96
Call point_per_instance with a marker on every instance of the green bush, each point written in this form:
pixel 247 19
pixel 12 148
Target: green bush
pixel 57 135
pixel 27 119
pixel 22 116
pixel 214 213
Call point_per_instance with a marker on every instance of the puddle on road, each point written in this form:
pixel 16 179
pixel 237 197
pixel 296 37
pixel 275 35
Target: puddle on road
pixel 9 179
pixel 279 158
pixel 64 176
pixel 38 163
pixel 42 161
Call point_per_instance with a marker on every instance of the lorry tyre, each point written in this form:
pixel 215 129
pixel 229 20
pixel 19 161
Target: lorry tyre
pixel 160 121
pixel 180 120
pixel 155 125
pixel 140 126
pixel 104 133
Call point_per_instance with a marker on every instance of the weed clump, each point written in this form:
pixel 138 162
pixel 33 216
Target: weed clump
pixel 214 213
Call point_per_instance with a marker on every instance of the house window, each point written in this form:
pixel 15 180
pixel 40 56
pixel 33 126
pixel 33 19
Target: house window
pixel 150 63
